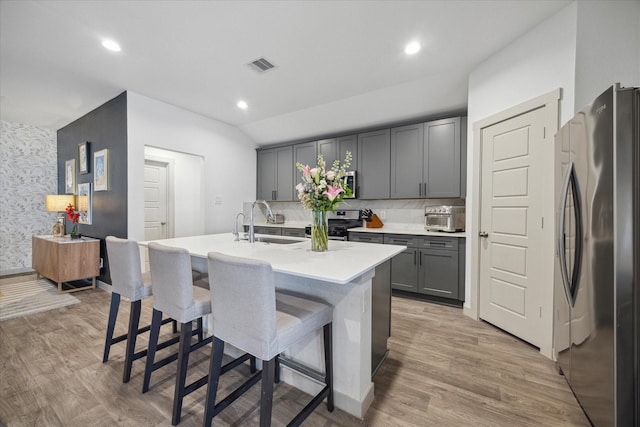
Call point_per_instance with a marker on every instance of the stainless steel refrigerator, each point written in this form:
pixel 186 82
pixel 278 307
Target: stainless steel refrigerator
pixel 596 296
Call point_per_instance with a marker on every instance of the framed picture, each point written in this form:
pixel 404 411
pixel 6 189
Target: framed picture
pixel 83 157
pixel 70 176
pixel 101 170
pixel 83 203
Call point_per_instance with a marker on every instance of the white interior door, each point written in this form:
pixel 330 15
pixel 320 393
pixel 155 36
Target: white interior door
pixel 511 245
pixel 156 201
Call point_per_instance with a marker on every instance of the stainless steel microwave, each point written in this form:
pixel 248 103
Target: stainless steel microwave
pixel 350 177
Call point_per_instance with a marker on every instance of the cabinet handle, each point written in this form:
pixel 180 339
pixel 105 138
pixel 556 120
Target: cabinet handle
pixel 415 261
pixel 420 189
pixel 273 194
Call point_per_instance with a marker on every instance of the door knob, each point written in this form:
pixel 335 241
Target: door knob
pixel 483 234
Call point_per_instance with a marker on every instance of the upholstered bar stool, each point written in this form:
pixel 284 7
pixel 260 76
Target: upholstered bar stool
pixel 129 282
pixel 249 314
pixel 175 295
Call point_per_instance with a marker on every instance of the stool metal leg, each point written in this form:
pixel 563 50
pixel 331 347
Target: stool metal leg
pixel 111 324
pixel 156 320
pixel 214 377
pixel 328 363
pixel 200 330
pixel 181 375
pixel 134 321
pixel 266 394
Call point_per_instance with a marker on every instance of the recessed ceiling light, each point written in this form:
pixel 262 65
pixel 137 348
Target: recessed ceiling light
pixel 412 48
pixel 111 45
pixel 242 105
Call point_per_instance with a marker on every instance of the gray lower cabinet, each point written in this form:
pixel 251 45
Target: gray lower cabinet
pixel 275 174
pixel 272 231
pixel 430 265
pixel 293 232
pixel 374 168
pixel 366 237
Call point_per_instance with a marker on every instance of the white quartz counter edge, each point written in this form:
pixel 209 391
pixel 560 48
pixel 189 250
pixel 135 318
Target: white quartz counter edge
pixel 418 231
pixel 342 263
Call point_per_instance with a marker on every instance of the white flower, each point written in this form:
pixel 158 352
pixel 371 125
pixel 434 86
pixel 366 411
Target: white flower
pixel 331 175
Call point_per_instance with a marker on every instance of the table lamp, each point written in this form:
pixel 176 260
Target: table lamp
pixel 58 203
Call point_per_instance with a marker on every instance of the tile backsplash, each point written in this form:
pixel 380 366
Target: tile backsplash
pixel 403 211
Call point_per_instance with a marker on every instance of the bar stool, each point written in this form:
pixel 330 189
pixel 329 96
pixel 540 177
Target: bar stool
pixel 129 282
pixel 176 296
pixel 249 314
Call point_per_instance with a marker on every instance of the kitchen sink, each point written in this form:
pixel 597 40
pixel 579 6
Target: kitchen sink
pixel 275 240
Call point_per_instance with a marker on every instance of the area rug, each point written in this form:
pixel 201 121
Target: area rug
pixel 25 298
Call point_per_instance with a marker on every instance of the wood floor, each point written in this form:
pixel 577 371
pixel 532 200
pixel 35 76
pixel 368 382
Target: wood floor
pixel 444 369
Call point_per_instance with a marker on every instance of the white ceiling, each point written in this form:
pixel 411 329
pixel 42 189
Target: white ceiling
pixel 340 64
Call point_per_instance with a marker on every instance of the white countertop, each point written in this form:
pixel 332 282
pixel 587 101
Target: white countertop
pixel 342 263
pixel 417 230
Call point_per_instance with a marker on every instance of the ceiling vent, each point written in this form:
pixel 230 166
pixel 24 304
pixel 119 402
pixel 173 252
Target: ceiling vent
pixel 261 65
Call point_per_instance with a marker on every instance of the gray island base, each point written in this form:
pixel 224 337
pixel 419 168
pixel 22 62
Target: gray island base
pixel 342 276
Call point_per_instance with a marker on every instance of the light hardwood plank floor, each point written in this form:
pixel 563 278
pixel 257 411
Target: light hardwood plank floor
pixel 443 369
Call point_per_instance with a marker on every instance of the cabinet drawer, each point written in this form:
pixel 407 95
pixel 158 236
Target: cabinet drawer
pixel 273 231
pixel 402 239
pixel 367 237
pixel 444 243
pixel 293 232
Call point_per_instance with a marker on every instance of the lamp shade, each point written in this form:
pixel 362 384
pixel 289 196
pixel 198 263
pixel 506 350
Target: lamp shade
pixel 59 202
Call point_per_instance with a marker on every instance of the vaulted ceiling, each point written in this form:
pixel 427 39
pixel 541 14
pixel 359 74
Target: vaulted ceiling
pixel 339 65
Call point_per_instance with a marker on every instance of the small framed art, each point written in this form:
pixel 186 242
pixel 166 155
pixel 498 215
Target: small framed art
pixel 83 157
pixel 101 170
pixel 70 176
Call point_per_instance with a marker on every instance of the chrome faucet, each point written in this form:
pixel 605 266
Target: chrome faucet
pixel 235 225
pixel 269 215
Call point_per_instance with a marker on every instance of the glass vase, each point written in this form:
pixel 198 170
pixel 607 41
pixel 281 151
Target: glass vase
pixel 319 232
pixel 75 232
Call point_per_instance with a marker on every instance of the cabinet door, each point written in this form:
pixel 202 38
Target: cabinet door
pixel 266 184
pixel 366 237
pixel 306 153
pixel 438 274
pixel 329 150
pixel 404 270
pixel 284 174
pixel 442 158
pixel 374 165
pixel 407 144
pixel 348 143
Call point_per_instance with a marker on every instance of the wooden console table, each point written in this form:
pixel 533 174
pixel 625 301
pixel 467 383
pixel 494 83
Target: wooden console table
pixel 62 260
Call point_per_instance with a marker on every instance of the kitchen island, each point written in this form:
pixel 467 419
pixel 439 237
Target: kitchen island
pixel 342 276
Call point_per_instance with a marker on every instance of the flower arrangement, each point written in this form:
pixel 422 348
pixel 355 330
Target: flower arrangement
pixel 74 217
pixel 321 189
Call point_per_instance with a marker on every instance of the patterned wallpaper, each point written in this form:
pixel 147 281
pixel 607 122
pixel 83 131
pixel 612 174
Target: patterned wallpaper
pixel 28 172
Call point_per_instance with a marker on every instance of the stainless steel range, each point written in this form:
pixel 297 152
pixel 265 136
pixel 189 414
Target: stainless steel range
pixel 339 223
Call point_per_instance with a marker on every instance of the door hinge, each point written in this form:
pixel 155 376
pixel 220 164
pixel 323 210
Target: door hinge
pixel 540 311
pixel 544 132
pixel 542 222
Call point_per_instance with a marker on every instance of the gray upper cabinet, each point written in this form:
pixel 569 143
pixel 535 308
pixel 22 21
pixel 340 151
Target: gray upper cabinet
pixel 336 149
pixel 407 148
pixel 307 154
pixel 442 158
pixel 275 174
pixel 373 164
pixel 426 160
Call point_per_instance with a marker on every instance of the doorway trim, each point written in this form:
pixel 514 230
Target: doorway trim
pixel 550 103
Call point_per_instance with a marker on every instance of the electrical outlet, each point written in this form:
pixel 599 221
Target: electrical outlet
pixel 101 262
pixel 383 214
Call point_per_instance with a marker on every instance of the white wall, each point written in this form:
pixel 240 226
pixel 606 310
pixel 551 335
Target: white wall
pixel 537 63
pixel 608 48
pixel 229 165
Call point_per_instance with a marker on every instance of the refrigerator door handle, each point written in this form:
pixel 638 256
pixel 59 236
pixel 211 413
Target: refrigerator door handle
pixel 562 245
pixel 577 263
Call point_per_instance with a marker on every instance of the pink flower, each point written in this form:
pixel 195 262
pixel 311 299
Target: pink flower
pixel 332 191
pixel 306 171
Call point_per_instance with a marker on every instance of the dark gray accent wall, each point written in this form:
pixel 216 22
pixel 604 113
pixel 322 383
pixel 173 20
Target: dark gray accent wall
pixel 104 127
